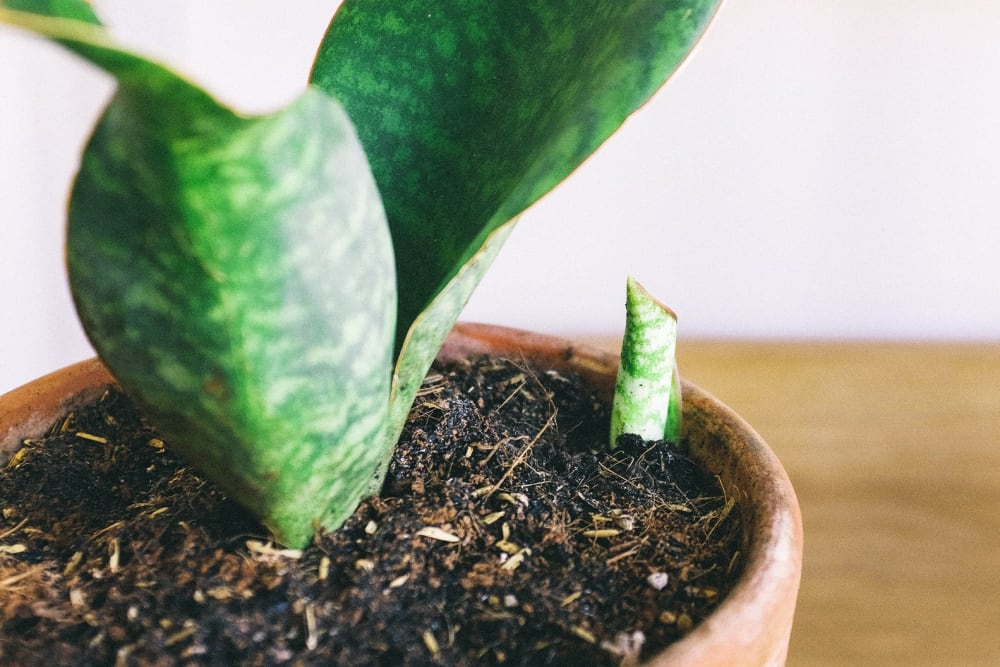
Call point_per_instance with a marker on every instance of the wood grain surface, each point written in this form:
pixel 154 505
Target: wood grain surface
pixel 894 451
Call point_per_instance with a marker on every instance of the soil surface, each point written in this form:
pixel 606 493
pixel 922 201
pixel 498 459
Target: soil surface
pixel 507 533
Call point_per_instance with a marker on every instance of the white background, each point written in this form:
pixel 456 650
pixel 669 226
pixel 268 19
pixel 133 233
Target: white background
pixel 819 169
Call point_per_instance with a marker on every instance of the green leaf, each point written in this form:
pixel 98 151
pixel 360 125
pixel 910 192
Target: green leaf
pixel 236 275
pixel 470 110
pixel 76 10
pixel 647 392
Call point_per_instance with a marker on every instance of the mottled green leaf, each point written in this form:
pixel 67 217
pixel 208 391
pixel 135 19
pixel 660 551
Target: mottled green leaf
pixel 236 275
pixel 470 110
pixel 647 391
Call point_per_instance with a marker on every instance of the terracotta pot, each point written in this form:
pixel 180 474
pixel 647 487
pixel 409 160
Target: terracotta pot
pixel 750 627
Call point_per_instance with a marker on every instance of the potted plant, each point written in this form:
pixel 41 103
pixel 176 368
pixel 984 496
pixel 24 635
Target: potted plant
pixel 273 290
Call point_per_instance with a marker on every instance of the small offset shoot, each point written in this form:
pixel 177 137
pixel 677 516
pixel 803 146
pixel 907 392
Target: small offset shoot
pixel 647 400
pixel 272 290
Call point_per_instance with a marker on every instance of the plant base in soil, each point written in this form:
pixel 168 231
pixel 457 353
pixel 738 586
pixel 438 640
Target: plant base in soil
pixel 507 533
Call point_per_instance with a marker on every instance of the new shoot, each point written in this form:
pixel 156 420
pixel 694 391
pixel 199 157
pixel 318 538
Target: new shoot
pixel 647 400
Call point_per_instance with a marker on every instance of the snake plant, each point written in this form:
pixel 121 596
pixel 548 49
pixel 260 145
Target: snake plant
pixel 647 398
pixel 272 289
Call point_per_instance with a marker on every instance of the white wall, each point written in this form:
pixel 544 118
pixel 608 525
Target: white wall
pixel 46 108
pixel 818 169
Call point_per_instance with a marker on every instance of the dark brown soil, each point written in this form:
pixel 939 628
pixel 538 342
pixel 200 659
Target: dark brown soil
pixel 507 534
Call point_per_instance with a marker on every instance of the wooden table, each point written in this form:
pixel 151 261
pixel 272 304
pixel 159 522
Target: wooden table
pixel 894 451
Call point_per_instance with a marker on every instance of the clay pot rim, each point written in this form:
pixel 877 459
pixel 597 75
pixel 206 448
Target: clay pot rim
pixel 751 625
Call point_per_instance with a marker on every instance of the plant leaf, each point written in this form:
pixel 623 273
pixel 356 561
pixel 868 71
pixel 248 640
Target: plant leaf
pixel 75 10
pixel 236 275
pixel 647 391
pixel 470 110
